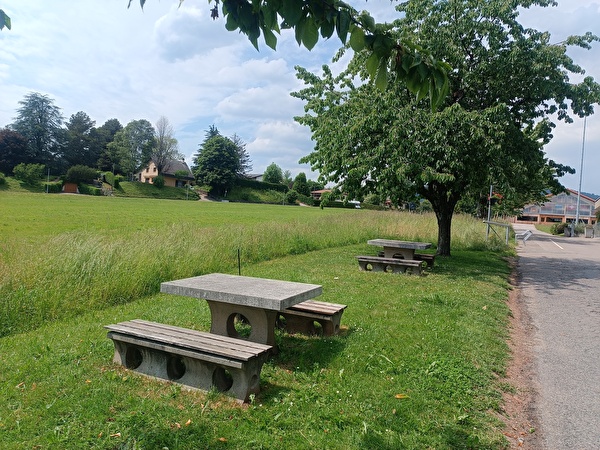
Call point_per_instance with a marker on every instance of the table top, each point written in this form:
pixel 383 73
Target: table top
pixel 399 244
pixel 248 291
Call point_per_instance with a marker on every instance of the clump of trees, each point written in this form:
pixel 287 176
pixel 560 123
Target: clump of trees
pixel 40 135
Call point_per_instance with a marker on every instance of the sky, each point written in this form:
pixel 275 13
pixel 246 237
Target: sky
pixel 112 62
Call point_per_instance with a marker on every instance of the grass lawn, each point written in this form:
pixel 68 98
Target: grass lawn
pixel 416 365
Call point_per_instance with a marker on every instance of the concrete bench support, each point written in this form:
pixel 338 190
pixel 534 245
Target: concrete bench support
pixel 394 265
pixel 301 318
pixel 192 358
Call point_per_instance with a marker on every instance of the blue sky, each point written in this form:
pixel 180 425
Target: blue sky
pixel 129 64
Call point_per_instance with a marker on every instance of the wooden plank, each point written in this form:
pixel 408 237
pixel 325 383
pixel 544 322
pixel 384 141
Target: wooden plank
pixel 190 339
pixel 318 307
pixel 390 261
pixel 220 360
pixel 216 338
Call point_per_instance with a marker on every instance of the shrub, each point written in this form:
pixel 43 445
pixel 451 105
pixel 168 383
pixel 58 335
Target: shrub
pixel 54 187
pixel 159 181
pixel 81 174
pixel 306 199
pixel 118 179
pixel 558 228
pixel 291 196
pixel 109 178
pixel 86 189
pixel 2 179
pixel 260 185
pixel 29 173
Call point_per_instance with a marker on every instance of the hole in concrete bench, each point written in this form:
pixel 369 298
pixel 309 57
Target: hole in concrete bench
pixel 175 367
pixel 238 326
pixel 369 267
pixel 222 379
pixel 133 357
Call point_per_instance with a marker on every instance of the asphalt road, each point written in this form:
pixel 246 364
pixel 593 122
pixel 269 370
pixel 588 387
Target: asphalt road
pixel 560 285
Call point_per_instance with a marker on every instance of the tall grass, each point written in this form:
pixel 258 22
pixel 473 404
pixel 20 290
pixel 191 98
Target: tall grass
pixel 82 269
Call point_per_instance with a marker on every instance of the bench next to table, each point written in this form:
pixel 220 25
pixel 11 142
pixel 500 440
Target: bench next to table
pixel 427 257
pixel 192 358
pixel 394 265
pixel 301 318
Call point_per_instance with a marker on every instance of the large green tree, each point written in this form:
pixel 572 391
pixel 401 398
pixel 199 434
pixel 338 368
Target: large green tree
pixel 102 136
pixel 273 174
pixel 217 162
pixel 507 85
pixel 133 145
pixel 40 121
pixel 79 149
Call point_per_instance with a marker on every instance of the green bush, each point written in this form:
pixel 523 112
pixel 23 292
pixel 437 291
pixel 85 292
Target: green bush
pixel 81 174
pixel 558 228
pixel 306 199
pixel 159 181
pixel 29 173
pixel 54 187
pixel 259 185
pixel 118 179
pixel 109 178
pixel 2 179
pixel 291 196
pixel 86 189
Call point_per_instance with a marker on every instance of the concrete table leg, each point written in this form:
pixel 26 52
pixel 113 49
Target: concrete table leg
pixel 262 321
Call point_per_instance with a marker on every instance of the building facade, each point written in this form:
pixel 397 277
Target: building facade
pixel 562 208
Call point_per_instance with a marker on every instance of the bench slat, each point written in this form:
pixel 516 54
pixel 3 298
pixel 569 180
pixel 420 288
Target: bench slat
pixel 396 261
pixel 190 339
pixel 314 306
pixel 220 360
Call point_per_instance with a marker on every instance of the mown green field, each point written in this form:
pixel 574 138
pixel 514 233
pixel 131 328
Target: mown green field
pixel 417 364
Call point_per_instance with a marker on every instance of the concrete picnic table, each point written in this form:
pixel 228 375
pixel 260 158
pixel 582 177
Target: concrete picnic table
pixel 405 248
pixel 259 300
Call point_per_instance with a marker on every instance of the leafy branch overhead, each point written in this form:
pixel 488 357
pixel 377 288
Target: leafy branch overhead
pixel 4 20
pixel 424 75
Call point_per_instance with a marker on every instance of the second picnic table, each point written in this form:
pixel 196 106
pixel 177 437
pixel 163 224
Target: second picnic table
pixel 405 248
pixel 259 300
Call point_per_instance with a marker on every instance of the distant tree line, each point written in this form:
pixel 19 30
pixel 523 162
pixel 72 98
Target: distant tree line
pixel 40 135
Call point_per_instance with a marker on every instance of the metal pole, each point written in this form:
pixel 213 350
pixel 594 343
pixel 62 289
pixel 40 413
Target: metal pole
pixel 487 233
pixel 580 173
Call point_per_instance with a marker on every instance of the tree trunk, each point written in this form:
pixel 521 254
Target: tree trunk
pixel 444 220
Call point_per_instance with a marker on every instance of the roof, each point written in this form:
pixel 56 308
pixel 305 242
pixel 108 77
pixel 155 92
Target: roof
pixel 174 166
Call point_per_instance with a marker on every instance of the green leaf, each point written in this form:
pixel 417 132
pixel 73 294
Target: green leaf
pixel 292 12
pixel 343 25
pixel 299 31
pixel 270 38
pixel 230 23
pixel 4 20
pixel 372 65
pixel 310 34
pixel 382 78
pixel 327 28
pixel 357 39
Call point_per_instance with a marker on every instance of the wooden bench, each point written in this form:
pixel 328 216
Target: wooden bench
pixel 523 235
pixel 192 358
pixel 301 318
pixel 394 265
pixel 428 258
